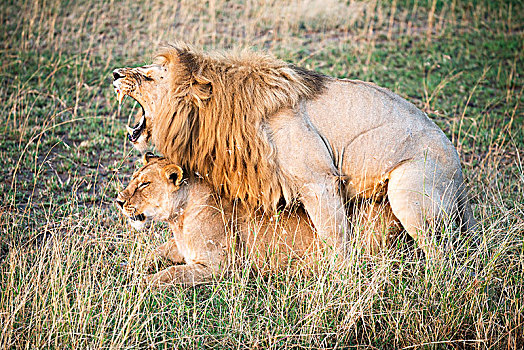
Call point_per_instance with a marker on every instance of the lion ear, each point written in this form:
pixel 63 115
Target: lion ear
pixel 147 157
pixel 173 173
pixel 201 90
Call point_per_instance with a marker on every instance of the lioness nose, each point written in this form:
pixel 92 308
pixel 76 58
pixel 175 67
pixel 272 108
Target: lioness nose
pixel 117 75
pixel 119 202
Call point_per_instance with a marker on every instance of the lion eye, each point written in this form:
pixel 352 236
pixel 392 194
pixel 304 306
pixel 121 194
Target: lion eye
pixel 143 185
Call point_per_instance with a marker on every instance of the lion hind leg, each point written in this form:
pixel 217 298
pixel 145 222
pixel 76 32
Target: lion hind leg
pixel 423 197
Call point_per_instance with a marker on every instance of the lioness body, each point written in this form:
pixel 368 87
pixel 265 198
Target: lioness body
pixel 210 233
pixel 259 129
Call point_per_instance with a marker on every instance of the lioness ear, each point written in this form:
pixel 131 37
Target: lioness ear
pixel 200 90
pixel 173 173
pixel 147 157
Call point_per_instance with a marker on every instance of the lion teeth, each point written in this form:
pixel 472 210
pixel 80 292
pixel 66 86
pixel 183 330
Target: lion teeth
pixel 120 97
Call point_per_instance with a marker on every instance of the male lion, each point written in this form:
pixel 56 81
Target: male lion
pixel 207 229
pixel 259 129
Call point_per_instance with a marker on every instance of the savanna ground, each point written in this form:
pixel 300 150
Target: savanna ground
pixel 64 156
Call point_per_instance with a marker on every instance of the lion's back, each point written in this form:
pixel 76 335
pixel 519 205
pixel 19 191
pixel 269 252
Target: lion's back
pixel 371 130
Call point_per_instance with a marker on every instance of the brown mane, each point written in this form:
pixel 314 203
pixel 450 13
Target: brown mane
pixel 212 121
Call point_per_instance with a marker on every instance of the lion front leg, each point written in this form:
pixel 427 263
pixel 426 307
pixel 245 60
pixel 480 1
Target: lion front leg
pixel 307 166
pixel 187 275
pixel 325 208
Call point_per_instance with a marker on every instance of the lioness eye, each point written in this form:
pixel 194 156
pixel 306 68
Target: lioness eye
pixel 144 184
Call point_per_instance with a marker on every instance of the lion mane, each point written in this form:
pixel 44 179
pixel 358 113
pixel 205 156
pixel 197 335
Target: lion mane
pixel 213 119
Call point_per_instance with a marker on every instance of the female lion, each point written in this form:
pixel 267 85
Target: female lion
pixel 209 232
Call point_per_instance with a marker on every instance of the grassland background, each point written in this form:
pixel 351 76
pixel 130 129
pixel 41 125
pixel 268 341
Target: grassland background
pixel 63 157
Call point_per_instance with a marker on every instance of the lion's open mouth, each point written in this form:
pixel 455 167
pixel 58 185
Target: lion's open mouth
pixel 139 217
pixel 134 132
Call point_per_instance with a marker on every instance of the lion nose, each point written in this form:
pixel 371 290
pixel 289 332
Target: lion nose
pixel 120 203
pixel 117 75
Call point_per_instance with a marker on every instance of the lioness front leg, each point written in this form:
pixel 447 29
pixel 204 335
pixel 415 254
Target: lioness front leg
pixel 188 275
pixel 167 251
pixel 374 224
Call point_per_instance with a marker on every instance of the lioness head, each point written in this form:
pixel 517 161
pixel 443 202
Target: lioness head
pixel 153 192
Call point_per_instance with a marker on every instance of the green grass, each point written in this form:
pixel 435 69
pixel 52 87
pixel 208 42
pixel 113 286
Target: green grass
pixel 64 156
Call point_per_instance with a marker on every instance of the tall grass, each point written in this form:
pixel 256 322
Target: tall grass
pixel 63 156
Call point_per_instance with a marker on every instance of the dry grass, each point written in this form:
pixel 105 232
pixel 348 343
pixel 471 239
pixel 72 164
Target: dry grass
pixel 64 155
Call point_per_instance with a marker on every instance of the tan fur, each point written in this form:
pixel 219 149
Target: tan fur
pixel 229 149
pixel 259 129
pixel 376 227
pixel 207 230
